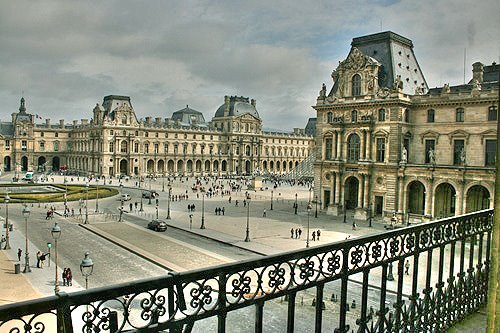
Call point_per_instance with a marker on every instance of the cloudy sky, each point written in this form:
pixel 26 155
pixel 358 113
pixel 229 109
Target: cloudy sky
pixel 67 55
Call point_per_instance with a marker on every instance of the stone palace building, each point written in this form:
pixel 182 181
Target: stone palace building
pixel 388 145
pixel 114 142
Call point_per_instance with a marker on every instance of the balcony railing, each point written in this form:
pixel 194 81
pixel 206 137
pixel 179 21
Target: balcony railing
pixel 446 279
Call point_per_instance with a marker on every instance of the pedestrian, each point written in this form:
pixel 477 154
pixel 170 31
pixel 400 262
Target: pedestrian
pixel 19 253
pixel 300 232
pixel 353 225
pixel 223 210
pixel 236 203
pixel 42 259
pixel 2 241
pixel 297 233
pixel 318 233
pixel 38 255
pixel 69 276
pixel 64 276
pixel 131 206
pixel 407 267
pixel 72 212
pixel 216 211
pixel 314 235
pixel 264 213
pixel 292 232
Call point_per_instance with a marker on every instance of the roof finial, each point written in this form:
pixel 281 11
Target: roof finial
pixel 22 107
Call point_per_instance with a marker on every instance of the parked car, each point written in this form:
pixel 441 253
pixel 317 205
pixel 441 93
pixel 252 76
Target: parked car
pixel 157 225
pixel 125 197
pixel 150 194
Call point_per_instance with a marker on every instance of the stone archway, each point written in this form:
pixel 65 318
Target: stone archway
pixel 24 163
pixel 180 167
pixel 56 163
pixel 444 200
pixel 351 189
pixel 248 167
pixel 41 163
pixel 150 167
pixel 216 166
pixel 189 166
pixel 478 198
pixel 6 163
pixel 161 166
pixel 123 167
pixel 198 166
pixel 207 166
pixel 416 198
pixel 224 166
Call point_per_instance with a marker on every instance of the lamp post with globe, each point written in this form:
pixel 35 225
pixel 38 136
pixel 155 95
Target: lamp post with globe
pixel 56 233
pixel 26 214
pixel 7 235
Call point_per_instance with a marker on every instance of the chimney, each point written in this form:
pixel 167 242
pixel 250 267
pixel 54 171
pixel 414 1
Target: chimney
pixel 226 106
pixel 84 121
pixel 148 120
pixel 75 123
pixel 158 121
pixel 477 72
pixel 47 122
pixel 252 101
pixel 61 123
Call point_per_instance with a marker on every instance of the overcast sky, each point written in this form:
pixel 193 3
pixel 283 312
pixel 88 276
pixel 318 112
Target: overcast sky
pixel 67 55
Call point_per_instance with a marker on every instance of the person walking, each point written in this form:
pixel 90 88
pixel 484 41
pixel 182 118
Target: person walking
pixel 318 233
pixel 300 232
pixel 407 267
pixel 297 233
pixel 69 277
pixel 353 225
pixel 64 276
pixel 19 253
pixel 314 235
pixel 38 259
pixel 264 213
pixel 292 232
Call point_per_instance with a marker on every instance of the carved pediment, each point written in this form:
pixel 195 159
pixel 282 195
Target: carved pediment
pixel 431 135
pixel 460 134
pixel 356 61
pixel 382 133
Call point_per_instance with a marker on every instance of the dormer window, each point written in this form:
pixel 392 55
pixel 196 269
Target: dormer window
pixel 354 116
pixel 356 85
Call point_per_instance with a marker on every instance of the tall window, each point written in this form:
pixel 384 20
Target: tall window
pixel 407 115
pixel 354 116
pixel 123 146
pixel 458 145
pixel 329 117
pixel 492 113
pixel 24 145
pixel 165 148
pixel 146 148
pixel 353 148
pixel 157 148
pixel 328 148
pixel 7 144
pixel 429 145
pixel 56 146
pixel 381 115
pixel 491 150
pixel 430 116
pixel 380 149
pixel 42 146
pixel 459 115
pixel 356 85
pixel 111 147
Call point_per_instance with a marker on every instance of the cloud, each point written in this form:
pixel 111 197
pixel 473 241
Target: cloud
pixel 66 56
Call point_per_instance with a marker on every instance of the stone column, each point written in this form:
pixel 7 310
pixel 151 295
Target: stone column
pixel 400 194
pixel 428 200
pixel 362 146
pixel 366 194
pixel 337 188
pixel 368 145
pixel 334 145
pixel 339 145
pixel 360 193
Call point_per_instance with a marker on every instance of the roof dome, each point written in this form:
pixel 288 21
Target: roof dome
pixel 235 106
pixel 188 116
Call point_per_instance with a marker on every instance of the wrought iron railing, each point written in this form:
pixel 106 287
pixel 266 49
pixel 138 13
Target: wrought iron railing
pixel 447 260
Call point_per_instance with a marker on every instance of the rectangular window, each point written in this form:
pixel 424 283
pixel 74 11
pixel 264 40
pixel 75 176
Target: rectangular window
pixel 492 113
pixel 165 148
pixel 491 151
pixel 56 146
pixel 328 149
pixel 42 146
pixel 136 147
pixel 430 116
pixel 24 145
pixel 156 148
pixel 380 149
pixel 7 144
pixel 459 115
pixel 458 146
pixel 111 147
pixel 41 134
pixel 146 148
pixel 56 134
pixel 381 115
pixel 430 145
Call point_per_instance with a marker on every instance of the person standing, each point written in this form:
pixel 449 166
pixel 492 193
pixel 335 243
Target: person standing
pixel 264 213
pixel 318 233
pixel 19 254
pixel 407 267
pixel 300 232
pixel 64 276
pixel 292 232
pixel 38 255
pixel 314 235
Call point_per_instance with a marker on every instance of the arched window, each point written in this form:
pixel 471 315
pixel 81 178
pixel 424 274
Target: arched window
pixel 329 117
pixel 353 148
pixel 247 150
pixel 356 85
pixel 354 116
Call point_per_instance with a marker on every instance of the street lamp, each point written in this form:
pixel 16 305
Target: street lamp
pixel 86 267
pixel 308 211
pixel 97 198
pixel 163 182
pixel 202 210
pixel 316 213
pixel 56 233
pixel 7 236
pixel 156 208
pixel 345 211
pixel 247 238
pixel 296 204
pixel 168 202
pixel 65 194
pixel 86 203
pixel 190 221
pixel 370 215
pixel 271 200
pixel 26 214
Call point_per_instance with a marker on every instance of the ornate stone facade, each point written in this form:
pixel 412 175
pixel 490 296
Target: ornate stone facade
pixel 114 142
pixel 388 145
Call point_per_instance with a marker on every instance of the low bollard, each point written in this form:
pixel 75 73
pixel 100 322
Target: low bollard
pixel 17 268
